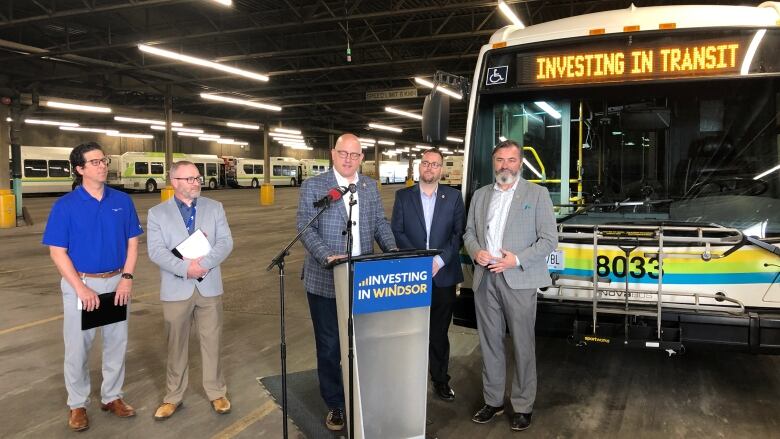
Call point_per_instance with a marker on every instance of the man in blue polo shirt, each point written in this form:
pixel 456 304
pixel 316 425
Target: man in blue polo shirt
pixel 92 234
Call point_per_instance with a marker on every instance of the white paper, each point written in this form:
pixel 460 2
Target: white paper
pixel 195 246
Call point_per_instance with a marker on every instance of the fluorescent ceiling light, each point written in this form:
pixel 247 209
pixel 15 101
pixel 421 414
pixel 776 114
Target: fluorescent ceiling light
pixel 50 122
pixel 209 138
pixel 440 88
pixel 285 136
pixel 503 7
pixel 366 140
pixel 379 126
pixel 231 142
pixel 132 136
pixel 201 62
pixel 8 119
pixel 89 130
pixel 531 168
pixel 189 134
pixel 224 2
pixel 403 113
pixel 454 139
pixel 386 142
pixel 285 130
pixel 390 153
pixel 144 121
pixel 77 107
pixel 548 109
pixel 243 125
pixel 765 173
pixel 243 102
pixel 751 52
pixel 178 129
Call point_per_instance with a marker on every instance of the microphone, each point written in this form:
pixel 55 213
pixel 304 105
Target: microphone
pixel 351 188
pixel 333 195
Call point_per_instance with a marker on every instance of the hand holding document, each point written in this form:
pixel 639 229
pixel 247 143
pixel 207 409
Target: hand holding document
pixel 194 247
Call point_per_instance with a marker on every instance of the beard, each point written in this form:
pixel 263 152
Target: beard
pixel 506 176
pixel 429 179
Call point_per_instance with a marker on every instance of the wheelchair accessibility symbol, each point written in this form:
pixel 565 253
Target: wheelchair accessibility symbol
pixel 497 75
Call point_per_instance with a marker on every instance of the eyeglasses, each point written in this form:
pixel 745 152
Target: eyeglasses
pixel 427 164
pixel 352 155
pixel 98 162
pixel 190 180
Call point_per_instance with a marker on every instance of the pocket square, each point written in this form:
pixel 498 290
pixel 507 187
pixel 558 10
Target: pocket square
pixel 526 206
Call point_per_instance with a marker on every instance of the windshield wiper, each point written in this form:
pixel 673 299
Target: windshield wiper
pixel 616 205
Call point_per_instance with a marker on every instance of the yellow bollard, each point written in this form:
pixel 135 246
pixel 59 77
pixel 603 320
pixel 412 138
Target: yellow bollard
pixel 409 182
pixel 266 194
pixel 166 193
pixel 7 209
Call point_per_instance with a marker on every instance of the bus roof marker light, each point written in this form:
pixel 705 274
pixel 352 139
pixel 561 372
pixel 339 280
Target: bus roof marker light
pixel 379 126
pixel 201 62
pixel 440 88
pixel 403 113
pixel 510 14
pixel 751 52
pixel 765 173
pixel 548 109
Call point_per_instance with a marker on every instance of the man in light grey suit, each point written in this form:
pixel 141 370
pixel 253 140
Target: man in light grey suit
pixel 509 232
pixel 190 289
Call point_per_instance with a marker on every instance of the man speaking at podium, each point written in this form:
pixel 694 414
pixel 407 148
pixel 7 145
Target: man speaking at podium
pixel 431 216
pixel 325 241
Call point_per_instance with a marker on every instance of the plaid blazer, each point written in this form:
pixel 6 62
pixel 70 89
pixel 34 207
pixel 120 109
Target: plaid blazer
pixel 325 237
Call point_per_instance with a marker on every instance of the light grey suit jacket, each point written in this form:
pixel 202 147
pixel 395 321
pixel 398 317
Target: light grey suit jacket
pixel 530 233
pixel 166 229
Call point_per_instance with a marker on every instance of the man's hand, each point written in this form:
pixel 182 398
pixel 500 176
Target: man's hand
pixel 122 296
pixel 483 258
pixel 334 257
pixel 506 262
pixel 195 271
pixel 436 267
pixel 89 298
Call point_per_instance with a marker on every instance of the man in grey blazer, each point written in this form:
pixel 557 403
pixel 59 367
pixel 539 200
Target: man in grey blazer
pixel 325 241
pixel 190 290
pixel 509 232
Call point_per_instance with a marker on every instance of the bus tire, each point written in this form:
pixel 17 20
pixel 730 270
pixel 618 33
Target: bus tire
pixel 150 186
pixel 255 183
pixel 293 182
pixel 212 184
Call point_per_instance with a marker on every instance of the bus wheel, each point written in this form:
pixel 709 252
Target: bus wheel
pixel 212 184
pixel 293 182
pixel 151 186
pixel 255 183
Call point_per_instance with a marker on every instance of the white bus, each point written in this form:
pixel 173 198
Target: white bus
pixel 452 170
pixel 312 167
pixel 45 169
pixel 660 131
pixel 391 171
pixel 146 170
pixel 250 173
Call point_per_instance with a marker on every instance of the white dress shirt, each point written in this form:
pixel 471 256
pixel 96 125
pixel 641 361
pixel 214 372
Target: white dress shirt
pixel 497 215
pixel 342 181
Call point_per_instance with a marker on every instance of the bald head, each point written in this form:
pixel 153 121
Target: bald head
pixel 347 155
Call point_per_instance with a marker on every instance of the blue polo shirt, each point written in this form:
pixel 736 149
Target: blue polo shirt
pixel 94 232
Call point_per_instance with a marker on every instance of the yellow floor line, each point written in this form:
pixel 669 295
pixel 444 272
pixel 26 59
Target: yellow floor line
pixel 243 423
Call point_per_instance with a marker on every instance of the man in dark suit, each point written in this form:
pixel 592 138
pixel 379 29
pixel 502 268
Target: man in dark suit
pixel 325 241
pixel 432 216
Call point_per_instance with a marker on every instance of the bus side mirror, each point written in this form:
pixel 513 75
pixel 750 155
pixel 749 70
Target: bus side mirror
pixel 436 117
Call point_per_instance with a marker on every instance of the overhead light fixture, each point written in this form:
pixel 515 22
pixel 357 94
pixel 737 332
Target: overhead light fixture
pixel 224 2
pixel 231 142
pixel 390 153
pixel 77 107
pixel 201 62
pixel 89 130
pixel 510 14
pixel 379 126
pixel 243 102
pixel 548 109
pixel 132 135
pixel 50 122
pixel 285 136
pixel 209 138
pixel 765 173
pixel 178 129
pixel 403 113
pixel 145 121
pixel 454 139
pixel 243 126
pixel 386 142
pixel 366 140
pixel 285 130
pixel 189 134
pixel 531 168
pixel 751 52
pixel 501 139
pixel 440 88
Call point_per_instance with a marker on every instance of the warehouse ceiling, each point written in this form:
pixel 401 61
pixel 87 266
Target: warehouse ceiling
pixel 88 50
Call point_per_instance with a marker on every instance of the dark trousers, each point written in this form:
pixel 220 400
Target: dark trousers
pixel 324 318
pixel 439 346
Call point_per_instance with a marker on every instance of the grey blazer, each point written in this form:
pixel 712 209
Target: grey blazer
pixel 530 233
pixel 166 229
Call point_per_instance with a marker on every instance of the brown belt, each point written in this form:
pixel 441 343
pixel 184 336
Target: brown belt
pixel 101 275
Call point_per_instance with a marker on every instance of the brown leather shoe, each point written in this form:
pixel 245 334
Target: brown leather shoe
pixel 165 411
pixel 119 408
pixel 221 405
pixel 78 421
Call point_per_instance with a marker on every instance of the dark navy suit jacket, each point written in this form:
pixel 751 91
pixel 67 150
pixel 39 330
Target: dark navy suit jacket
pixel 449 218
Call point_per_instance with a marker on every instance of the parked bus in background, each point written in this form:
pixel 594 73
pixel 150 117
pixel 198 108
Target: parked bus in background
pixel 452 170
pixel 249 172
pixel 391 171
pixel 146 170
pixel 659 129
pixel 311 167
pixel 44 169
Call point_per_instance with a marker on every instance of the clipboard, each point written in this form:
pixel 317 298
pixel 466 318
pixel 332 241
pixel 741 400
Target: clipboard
pixel 106 314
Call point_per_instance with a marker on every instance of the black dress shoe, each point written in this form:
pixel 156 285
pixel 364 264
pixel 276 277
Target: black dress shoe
pixel 487 413
pixel 444 391
pixel 521 421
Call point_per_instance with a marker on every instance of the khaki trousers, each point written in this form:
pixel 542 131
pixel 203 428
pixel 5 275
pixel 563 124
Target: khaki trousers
pixel 206 313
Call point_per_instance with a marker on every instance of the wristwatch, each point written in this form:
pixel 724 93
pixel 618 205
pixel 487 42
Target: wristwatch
pixel 127 276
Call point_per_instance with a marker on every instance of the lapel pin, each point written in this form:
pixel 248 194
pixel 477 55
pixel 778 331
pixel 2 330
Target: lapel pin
pixel 442 196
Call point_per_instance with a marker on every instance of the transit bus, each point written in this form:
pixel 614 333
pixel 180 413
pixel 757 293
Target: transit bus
pixel 45 169
pixel 659 132
pixel 245 172
pixel 146 170
pixel 452 170
pixel 311 167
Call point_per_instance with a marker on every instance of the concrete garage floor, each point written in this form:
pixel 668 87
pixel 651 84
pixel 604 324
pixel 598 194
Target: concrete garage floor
pixel 589 392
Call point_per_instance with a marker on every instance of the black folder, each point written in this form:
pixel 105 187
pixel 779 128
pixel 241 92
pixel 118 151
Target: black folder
pixel 106 314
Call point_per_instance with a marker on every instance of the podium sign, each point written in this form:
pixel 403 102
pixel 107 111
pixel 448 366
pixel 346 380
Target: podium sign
pixel 391 304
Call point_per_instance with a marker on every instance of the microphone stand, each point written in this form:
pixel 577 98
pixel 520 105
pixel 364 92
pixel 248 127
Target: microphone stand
pixel 278 261
pixel 350 332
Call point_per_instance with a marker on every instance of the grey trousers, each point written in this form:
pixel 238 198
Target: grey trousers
pixel 499 306
pixel 78 344
pixel 206 312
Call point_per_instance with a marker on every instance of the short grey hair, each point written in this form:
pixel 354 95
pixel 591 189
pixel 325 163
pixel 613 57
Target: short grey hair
pixel 176 165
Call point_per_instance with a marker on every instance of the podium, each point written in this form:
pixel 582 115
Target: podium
pixel 391 307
